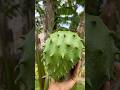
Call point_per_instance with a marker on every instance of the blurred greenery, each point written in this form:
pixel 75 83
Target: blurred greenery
pixel 36 78
pixel 37 85
pixel 79 86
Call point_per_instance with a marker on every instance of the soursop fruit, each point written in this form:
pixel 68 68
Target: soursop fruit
pixel 100 51
pixel 62 50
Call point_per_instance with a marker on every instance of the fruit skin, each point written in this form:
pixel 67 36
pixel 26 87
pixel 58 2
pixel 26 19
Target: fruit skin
pixel 61 52
pixel 100 51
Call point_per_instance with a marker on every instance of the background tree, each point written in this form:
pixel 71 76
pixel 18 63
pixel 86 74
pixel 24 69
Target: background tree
pixel 108 11
pixel 16 20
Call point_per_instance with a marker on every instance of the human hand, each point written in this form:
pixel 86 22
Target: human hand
pixel 67 84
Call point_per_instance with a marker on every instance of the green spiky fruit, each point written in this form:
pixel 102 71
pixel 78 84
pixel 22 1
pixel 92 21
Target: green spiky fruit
pixel 61 52
pixel 100 51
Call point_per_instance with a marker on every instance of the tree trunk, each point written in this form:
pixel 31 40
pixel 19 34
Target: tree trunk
pixel 11 31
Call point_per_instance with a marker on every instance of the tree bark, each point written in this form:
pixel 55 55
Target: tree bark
pixel 11 31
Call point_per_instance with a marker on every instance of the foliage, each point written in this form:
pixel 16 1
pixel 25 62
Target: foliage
pixel 67 16
pixel 37 85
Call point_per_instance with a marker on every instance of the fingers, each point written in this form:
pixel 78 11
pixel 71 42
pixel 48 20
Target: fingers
pixel 77 68
pixel 76 71
pixel 65 85
pixel 53 86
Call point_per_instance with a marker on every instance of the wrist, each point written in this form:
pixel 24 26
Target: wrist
pixel 73 80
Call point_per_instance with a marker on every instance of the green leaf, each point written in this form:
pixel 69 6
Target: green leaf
pixel 66 11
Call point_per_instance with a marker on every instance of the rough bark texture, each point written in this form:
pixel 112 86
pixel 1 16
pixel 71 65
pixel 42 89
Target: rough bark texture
pixel 111 17
pixel 49 15
pixel 11 31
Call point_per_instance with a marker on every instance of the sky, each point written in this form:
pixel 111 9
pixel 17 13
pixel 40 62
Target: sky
pixel 79 10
